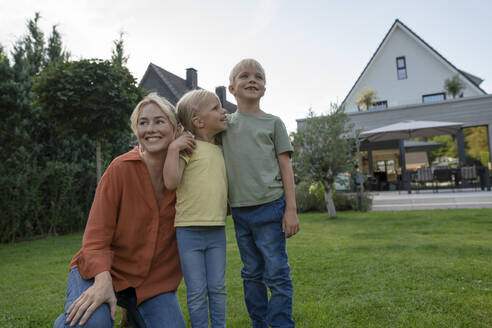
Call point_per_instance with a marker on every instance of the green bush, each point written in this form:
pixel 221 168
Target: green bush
pixel 349 201
pixel 42 200
pixel 311 197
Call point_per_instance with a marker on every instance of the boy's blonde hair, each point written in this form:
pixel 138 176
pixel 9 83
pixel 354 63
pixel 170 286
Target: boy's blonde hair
pixel 246 63
pixel 189 107
pixel 165 106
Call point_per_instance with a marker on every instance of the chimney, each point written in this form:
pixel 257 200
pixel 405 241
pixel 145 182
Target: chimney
pixel 221 93
pixel 191 78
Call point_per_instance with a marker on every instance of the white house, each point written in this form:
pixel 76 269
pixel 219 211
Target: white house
pixel 408 77
pixel 406 70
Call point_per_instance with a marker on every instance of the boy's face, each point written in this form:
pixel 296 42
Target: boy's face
pixel 249 84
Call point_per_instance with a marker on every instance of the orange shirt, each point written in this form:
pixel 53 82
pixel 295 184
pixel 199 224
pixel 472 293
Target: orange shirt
pixel 128 234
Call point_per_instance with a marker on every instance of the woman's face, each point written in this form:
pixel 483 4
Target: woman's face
pixel 154 131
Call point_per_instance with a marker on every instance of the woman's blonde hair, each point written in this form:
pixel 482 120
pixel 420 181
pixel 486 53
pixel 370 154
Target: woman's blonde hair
pixel 243 64
pixel 165 106
pixel 189 107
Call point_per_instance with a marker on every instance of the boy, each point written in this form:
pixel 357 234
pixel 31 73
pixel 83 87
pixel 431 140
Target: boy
pixel 257 153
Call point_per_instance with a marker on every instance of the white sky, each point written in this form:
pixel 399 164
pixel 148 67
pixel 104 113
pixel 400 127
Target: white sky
pixel 312 51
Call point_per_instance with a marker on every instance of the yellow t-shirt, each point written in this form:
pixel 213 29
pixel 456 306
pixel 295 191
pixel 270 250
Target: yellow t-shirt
pixel 202 192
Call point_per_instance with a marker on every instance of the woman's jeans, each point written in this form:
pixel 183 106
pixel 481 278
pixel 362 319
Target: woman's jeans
pixel 261 245
pixel 161 311
pixel 202 252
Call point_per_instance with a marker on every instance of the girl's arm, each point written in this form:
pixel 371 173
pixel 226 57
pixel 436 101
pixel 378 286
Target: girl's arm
pixel 290 222
pixel 174 165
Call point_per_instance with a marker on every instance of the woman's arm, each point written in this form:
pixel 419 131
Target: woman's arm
pixel 97 256
pixel 174 165
pixel 290 222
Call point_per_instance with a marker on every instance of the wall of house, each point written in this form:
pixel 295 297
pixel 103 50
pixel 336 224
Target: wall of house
pixel 426 73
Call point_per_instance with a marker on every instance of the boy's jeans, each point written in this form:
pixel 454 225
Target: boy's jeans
pixel 261 244
pixel 202 252
pixel 160 311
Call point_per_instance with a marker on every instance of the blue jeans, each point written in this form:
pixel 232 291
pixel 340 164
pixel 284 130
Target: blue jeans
pixel 202 252
pixel 161 311
pixel 261 245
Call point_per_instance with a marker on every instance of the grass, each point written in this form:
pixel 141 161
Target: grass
pixel 376 269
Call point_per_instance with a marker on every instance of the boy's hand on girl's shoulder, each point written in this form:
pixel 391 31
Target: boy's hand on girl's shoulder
pixel 290 223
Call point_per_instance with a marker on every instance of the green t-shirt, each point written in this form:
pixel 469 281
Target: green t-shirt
pixel 251 145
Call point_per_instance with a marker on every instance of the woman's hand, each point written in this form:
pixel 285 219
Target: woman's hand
pixel 100 292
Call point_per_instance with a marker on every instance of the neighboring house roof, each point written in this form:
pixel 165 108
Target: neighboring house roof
pixel 173 87
pixel 474 80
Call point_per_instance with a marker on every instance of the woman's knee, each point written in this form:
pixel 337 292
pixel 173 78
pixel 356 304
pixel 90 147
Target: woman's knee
pixel 101 318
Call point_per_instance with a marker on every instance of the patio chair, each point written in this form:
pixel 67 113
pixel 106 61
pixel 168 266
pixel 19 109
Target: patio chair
pixel 424 175
pixel 469 175
pixel 443 175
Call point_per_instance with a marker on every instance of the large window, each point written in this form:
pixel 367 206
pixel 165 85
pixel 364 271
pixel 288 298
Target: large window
pixel 379 104
pixel 401 68
pixel 433 97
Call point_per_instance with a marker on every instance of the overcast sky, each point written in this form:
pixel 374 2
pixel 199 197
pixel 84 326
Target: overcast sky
pixel 312 51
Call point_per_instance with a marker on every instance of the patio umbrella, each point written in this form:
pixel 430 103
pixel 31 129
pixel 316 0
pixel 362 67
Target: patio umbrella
pixel 411 129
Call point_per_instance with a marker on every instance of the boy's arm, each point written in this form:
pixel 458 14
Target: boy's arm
pixel 290 222
pixel 174 165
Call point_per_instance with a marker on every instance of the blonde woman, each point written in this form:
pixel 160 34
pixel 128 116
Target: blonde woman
pixel 129 252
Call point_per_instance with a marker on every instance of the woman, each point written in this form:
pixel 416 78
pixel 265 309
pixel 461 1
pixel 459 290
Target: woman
pixel 129 253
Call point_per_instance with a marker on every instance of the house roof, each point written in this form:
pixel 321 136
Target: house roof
pixel 474 80
pixel 177 85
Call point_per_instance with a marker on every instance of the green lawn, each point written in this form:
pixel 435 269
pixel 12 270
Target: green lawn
pixel 377 269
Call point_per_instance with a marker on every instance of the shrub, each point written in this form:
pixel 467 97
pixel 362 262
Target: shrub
pixel 310 197
pixel 349 201
pixel 42 200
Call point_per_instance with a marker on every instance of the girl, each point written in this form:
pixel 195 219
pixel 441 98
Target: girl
pixel 201 205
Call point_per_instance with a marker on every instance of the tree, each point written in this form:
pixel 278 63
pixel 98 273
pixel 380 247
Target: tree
pixel 323 149
pixel 88 97
pixel 54 50
pixel 454 86
pixel 118 53
pixel 366 98
pixel 34 45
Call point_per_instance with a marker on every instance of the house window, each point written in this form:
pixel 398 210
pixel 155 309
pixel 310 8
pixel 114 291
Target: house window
pixel 433 97
pixel 379 104
pixel 401 68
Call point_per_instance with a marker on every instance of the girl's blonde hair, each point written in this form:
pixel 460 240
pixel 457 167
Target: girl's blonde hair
pixel 165 106
pixel 189 106
pixel 243 64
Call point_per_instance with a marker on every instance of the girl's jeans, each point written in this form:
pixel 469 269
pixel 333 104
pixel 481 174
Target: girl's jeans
pixel 161 311
pixel 202 252
pixel 261 244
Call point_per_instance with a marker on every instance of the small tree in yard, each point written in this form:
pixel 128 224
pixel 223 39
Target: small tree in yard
pixel 323 149
pixel 92 97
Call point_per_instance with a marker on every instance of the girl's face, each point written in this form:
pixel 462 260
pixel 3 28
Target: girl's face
pixel 154 131
pixel 212 116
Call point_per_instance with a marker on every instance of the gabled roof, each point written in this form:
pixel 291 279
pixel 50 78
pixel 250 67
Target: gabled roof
pixel 475 81
pixel 177 85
